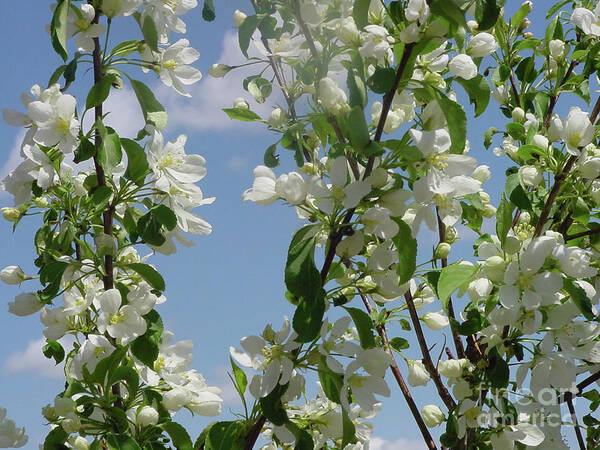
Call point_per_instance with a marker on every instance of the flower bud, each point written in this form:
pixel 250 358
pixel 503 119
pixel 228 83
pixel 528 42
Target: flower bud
pixel 528 35
pixel 79 443
pixel 557 49
pixel 541 141
pixel 463 66
pixel 49 413
pixel 518 115
pixel 473 25
pixel 278 118
pixel 241 103
pixel 524 217
pixel 41 202
pixel 530 176
pixel 485 197
pixel 111 7
pixel 347 32
pixel 417 373
pixel 13 275
pixel 443 250
pixel 239 17
pixel 494 268
pixel 435 320
pixel 489 211
pixel 219 70
pixel 11 214
pixel 453 368
pixel 451 234
pixel 481 173
pixel 378 178
pixel 147 416
pixel 482 45
pixel 432 415
pixel 25 305
pixel 71 425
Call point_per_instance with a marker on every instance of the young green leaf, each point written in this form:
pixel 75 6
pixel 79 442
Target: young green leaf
pixel 478 90
pixel 364 326
pixel 245 32
pixel 451 278
pixel 208 11
pixel 407 252
pixel 149 274
pixel 179 436
pixel 58 28
pixel 457 122
pixel 150 32
pixel 245 115
pixel 137 161
pixel 154 112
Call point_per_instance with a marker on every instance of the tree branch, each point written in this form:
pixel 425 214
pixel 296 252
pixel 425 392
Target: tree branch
pixel 400 379
pixel 427 361
pixel 580 440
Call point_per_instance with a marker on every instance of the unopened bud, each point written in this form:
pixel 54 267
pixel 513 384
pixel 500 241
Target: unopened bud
pixel 432 415
pixel 219 70
pixel 518 114
pixel 443 250
pixel 11 214
pixel 451 235
pixel 40 202
pixel 239 17
pixel 485 197
pixel 79 443
pixel 13 275
pixel 278 118
pixel 241 103
pixel 528 35
pixel 147 416
pixel 489 211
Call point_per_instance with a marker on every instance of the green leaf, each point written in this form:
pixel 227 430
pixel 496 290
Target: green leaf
pixel 348 430
pixel 308 317
pixel 360 13
pixel 130 376
pixel 179 436
pixel 121 442
pixel 245 32
pixel 55 439
pixel 260 89
pixel 382 80
pixel 580 298
pixel 225 436
pixel 149 274
pixel 109 153
pixel 125 48
pixel 555 8
pixel 504 219
pixel 515 130
pixel 488 135
pixel 165 216
pixel 364 326
pixel 56 74
pixel 525 71
pixel 271 159
pixel 150 33
pixel 99 91
pixel 208 11
pixel 451 278
pixel 407 251
pixel 144 349
pixel 450 11
pixel 358 132
pixel 272 407
pixel 301 275
pixel 331 382
pixel 52 272
pixel 243 114
pixel 497 371
pixel 84 151
pixel 581 211
pixel 154 113
pixel 399 343
pixel 137 162
pixel 101 197
pixel 530 151
pixel 486 14
pixel 239 375
pixel 457 122
pixel 516 193
pixel 478 90
pixel 516 20
pixel 53 349
pixel 58 28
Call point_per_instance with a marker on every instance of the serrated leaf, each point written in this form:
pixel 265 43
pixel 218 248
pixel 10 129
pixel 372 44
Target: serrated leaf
pixel 145 350
pixel 179 436
pixel 110 153
pixel 272 407
pixel 137 161
pixel 154 112
pixel 99 91
pixel 478 90
pixel 580 298
pixel 58 28
pixel 457 122
pixel 331 382
pixel 245 115
pixel 149 274
pixel 451 278
pixel 150 32
pixel 364 326
pixel 486 14
pixel 406 246
pixel 360 13
pixel 504 219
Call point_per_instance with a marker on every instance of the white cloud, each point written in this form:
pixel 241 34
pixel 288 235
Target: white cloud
pixel 210 95
pixel 399 444
pixel 228 393
pixel 32 360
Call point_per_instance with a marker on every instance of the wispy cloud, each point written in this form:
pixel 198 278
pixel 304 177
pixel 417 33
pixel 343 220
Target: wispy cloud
pixel 32 360
pixel 399 444
pixel 210 95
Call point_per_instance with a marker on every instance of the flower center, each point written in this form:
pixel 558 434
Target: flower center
pixel 357 381
pixel 437 160
pixel 116 319
pixel 159 364
pixel 170 64
pixel 63 125
pixel 82 24
pixel 99 351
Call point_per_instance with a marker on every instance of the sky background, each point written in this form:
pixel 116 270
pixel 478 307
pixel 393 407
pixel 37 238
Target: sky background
pixel 230 284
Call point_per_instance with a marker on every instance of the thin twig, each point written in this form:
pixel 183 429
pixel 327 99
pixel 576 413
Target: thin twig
pixel 400 379
pixel 513 84
pixel 580 440
pixel 427 361
pixel 570 237
pixel 580 387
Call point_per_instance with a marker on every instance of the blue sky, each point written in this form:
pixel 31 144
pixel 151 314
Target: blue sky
pixel 231 283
